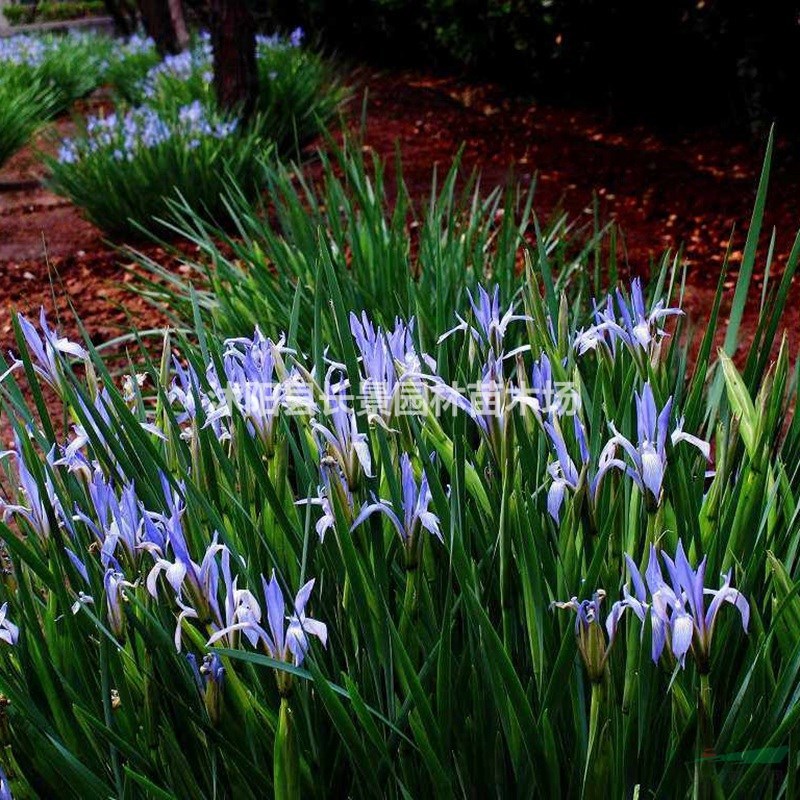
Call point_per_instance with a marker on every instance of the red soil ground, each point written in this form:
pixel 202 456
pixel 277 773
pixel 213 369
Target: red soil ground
pixel 663 190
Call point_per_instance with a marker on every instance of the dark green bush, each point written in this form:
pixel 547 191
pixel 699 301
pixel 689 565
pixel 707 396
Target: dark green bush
pixel 122 169
pixel 53 12
pixel 23 108
pixel 70 66
pixel 46 12
pixel 679 60
pixel 18 15
pixel 298 90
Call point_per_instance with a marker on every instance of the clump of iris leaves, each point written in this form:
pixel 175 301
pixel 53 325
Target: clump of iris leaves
pixel 169 138
pixel 41 76
pixel 166 136
pixel 234 568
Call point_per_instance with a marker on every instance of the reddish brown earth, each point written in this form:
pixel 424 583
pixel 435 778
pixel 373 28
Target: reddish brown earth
pixel 663 190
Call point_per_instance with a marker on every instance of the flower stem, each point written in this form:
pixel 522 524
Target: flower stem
pixel 505 549
pixel 655 521
pixel 277 466
pixel 286 765
pixel 409 605
pixel 595 773
pixel 704 773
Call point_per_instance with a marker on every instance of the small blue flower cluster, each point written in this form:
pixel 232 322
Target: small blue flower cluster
pixel 617 322
pixel 393 371
pixel 144 128
pixel 133 46
pixel 32 52
pixel 182 66
pixel 295 39
pixel 136 45
pixel 23 50
pixel 198 60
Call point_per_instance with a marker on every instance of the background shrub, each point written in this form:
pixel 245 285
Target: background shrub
pixel 70 66
pixel 128 67
pixel 298 93
pixel 23 108
pixel 52 12
pixel 682 62
pixel 122 168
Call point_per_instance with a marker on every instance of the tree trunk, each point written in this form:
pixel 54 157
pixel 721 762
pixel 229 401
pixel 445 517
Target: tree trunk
pixel 163 20
pixel 233 36
pixel 178 24
pixel 124 20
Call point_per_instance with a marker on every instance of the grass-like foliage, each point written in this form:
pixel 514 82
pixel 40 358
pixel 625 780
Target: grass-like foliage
pixel 69 66
pixel 41 76
pixel 335 556
pixel 128 67
pixel 298 91
pixel 175 144
pixel 375 238
pixel 23 109
pixel 123 168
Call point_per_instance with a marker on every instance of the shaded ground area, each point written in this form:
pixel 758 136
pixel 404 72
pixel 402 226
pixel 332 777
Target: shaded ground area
pixel 663 191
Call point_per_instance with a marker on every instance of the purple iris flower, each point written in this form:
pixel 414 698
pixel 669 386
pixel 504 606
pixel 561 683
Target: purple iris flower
pixel 626 320
pixel 5 788
pixel 677 608
pixel 100 410
pixel 195 585
pixel 240 605
pixel 37 499
pixel 114 582
pixel 118 520
pixel 592 643
pixel 210 671
pixel 490 322
pixel 340 439
pixel 200 580
pixel 328 518
pixel 491 396
pixel 281 642
pixel 253 386
pixel 640 325
pixel 9 632
pixel 395 377
pixel 67 152
pixel 333 484
pixel 186 390
pixel 381 351
pixel 493 399
pixel 389 361
pixel 605 331
pixel 541 396
pixel 648 458
pixel 46 349
pixel 73 459
pixel 210 679
pixel 80 567
pixel 563 470
pixel 416 500
pixel 137 45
